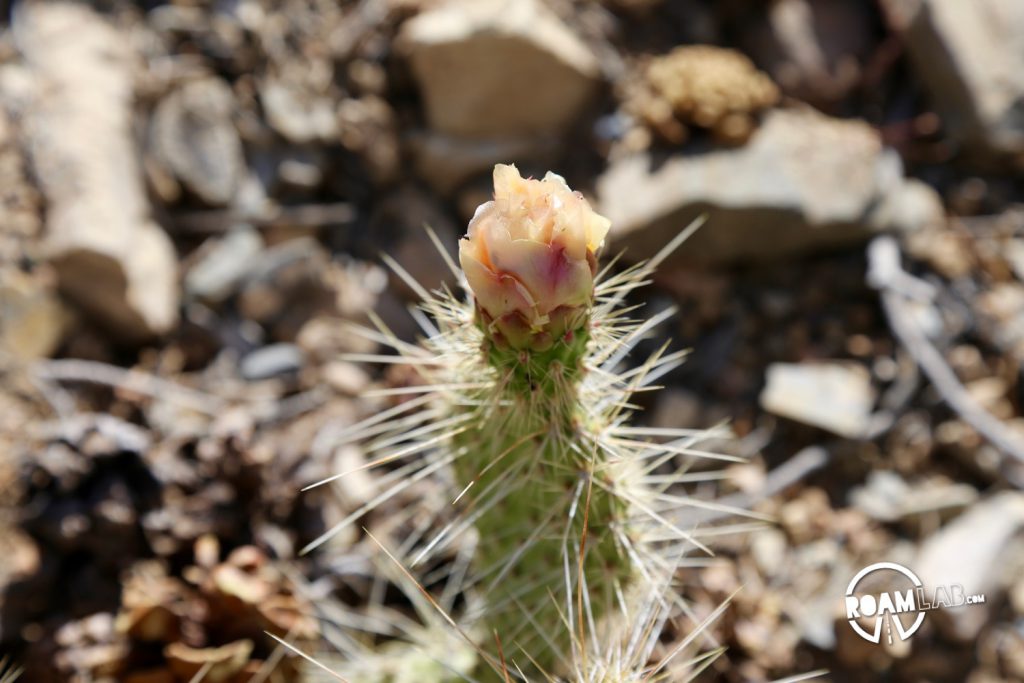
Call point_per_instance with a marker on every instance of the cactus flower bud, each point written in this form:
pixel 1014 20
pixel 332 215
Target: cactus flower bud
pixel 530 259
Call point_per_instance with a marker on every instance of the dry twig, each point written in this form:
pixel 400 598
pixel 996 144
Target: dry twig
pixel 895 287
pixel 73 370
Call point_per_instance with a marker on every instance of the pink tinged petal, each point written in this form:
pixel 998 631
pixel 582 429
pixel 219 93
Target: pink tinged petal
pixel 497 293
pixel 545 270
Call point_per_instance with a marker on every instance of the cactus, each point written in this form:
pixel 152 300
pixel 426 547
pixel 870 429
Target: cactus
pixel 523 403
pixel 528 446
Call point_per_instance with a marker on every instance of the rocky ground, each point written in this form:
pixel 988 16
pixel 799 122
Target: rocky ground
pixel 195 197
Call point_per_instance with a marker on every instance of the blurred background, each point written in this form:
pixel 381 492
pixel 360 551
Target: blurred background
pixel 194 197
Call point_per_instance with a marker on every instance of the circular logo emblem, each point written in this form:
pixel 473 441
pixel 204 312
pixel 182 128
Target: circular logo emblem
pixel 883 607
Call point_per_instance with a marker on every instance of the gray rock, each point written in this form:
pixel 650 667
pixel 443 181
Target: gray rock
pixel 298 115
pixel 833 396
pixel 272 361
pixel 803 182
pixel 193 135
pixel 111 258
pixel 300 173
pixel 347 378
pixel 970 56
pixel 882 496
pixel 768 550
pixel 287 285
pixel 967 552
pixel 223 265
pixel 886 497
pixel 496 68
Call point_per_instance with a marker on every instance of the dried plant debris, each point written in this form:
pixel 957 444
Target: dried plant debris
pixel 168 629
pixel 715 89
